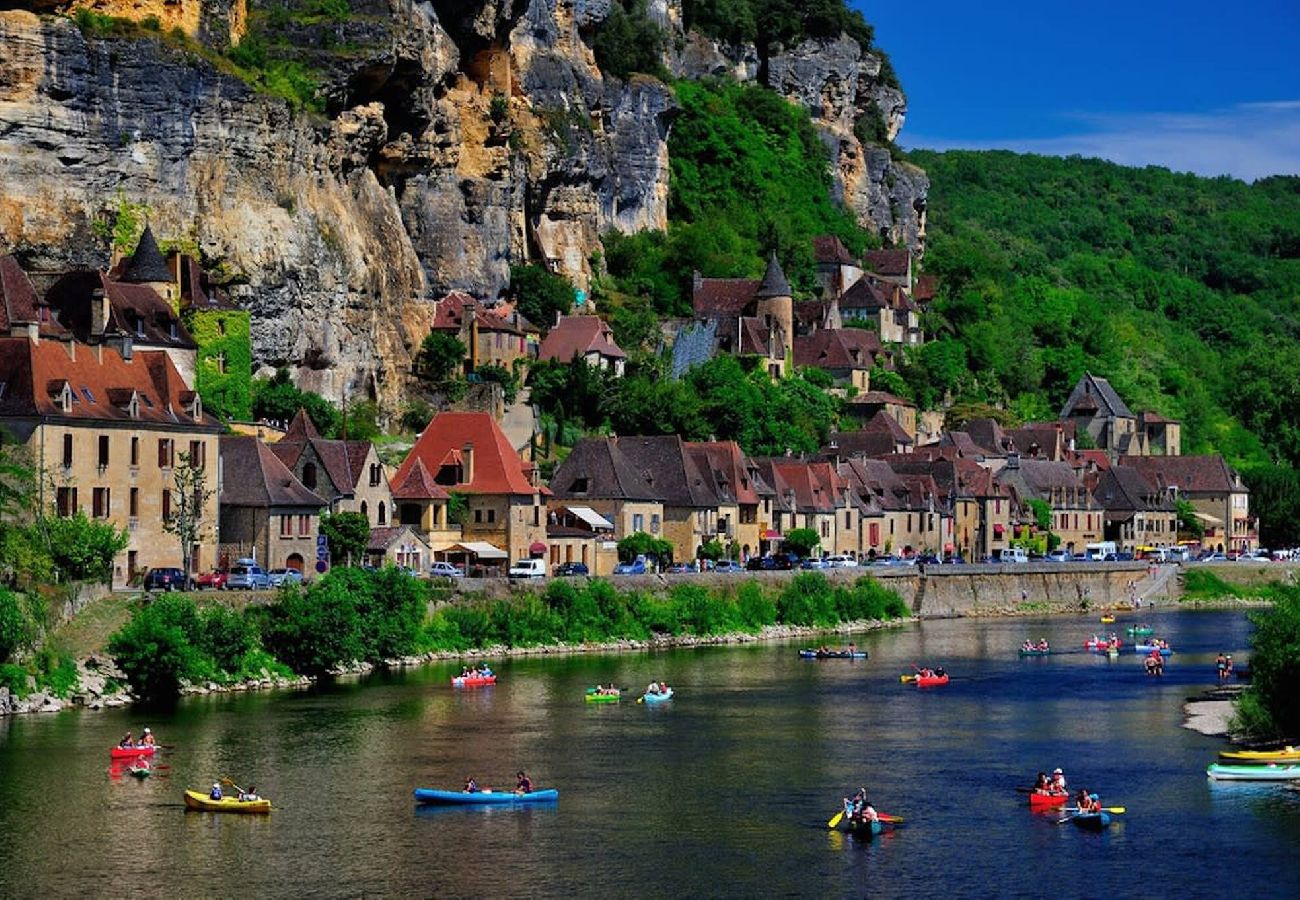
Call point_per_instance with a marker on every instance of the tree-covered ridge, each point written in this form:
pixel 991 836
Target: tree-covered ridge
pixel 1183 291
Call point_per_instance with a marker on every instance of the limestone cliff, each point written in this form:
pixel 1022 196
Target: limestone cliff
pixel 442 142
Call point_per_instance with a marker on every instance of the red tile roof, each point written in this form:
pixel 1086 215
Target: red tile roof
pixel 880 398
pixel 497 468
pixel 723 296
pixel 418 484
pixel 34 374
pixel 829 249
pixel 449 315
pixel 577 336
pixel 890 263
pixel 925 288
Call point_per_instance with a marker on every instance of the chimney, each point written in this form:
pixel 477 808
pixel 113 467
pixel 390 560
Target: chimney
pixel 467 463
pixel 1013 460
pixel 98 312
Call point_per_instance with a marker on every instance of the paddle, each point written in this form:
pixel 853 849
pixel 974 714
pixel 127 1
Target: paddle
pixel 906 678
pixel 835 819
pixel 225 780
pixel 1116 810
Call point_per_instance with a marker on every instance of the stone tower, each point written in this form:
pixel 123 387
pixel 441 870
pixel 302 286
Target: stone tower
pixel 775 308
pixel 148 267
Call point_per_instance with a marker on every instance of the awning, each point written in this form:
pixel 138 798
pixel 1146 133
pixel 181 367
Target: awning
pixel 537 547
pixel 1208 520
pixel 770 535
pixel 481 549
pixel 590 516
pixel 999 529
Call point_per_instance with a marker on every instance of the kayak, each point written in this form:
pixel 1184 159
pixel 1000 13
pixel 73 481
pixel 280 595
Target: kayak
pixel 1286 754
pixel 1107 620
pixel 1091 821
pixel 1047 801
pixel 832 654
pixel 593 697
pixel 139 771
pixel 198 800
pixel 1265 772
pixel 1148 648
pixel 1140 630
pixel 931 680
pixel 473 680
pixel 1035 652
pixel 480 798
pixel 868 829
pixel 1100 645
pixel 132 752
pixel 652 699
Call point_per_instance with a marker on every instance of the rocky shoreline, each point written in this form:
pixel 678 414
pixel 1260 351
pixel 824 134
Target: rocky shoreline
pixel 1210 713
pixel 96 674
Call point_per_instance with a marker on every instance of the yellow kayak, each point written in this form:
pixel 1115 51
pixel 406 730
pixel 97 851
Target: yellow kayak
pixel 199 800
pixel 1107 620
pixel 1286 754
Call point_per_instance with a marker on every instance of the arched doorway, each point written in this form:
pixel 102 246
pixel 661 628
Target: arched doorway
pixel 294 561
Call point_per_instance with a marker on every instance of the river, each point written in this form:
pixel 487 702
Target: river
pixel 724 791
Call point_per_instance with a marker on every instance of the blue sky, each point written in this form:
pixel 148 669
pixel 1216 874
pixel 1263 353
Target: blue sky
pixel 1212 88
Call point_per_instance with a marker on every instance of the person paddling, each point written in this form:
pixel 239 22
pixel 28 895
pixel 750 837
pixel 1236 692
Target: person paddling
pixel 523 784
pixel 148 740
pixel 471 785
pixel 1042 785
pixel 1058 782
pixel 215 793
pixel 127 742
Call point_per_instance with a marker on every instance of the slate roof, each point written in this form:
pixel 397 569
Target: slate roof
pixel 197 294
pixel 774 282
pixel 891 263
pixel 255 477
pixel 880 398
pixel 383 537
pixel 1095 393
pixel 925 288
pixel 497 468
pixel 33 374
pixel 147 262
pixel 1125 489
pixel 344 461
pixel 865 294
pixel 609 473
pixel 847 348
pixel 1194 474
pixel 577 336
pixel 670 471
pixel 734 478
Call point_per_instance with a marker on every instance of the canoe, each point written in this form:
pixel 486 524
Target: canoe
pixel 473 680
pixel 1286 754
pixel 1107 620
pixel 1024 652
pixel 132 752
pixel 832 654
pixel 1047 801
pixel 1140 630
pixel 1091 821
pixel 1100 645
pixel 1265 772
pixel 481 798
pixel 1147 648
pixel 863 829
pixel 602 698
pixel 652 699
pixel 931 680
pixel 198 800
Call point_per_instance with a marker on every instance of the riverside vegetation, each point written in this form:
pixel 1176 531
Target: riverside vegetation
pixel 1270 707
pixel 358 616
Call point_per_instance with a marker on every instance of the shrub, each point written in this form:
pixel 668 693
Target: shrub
pixel 1274 705
pixel 226 637
pixel 702 612
pixel 314 630
pixel 154 649
pixel 15 627
pixel 15 678
pixel 807 600
pixel 755 606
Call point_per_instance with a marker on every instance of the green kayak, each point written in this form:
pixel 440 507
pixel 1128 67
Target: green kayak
pixel 593 697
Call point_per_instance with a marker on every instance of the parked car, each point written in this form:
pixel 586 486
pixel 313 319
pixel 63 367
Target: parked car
pixel 1058 555
pixel 528 568
pixel 247 578
pixel 680 568
pixel 214 580
pixel 814 562
pixel 1010 555
pixel 1121 556
pixel 566 569
pixel 955 559
pixel 163 579
pixel 1213 557
pixel 928 559
pixel 277 577
pixel 444 570
pixel 727 565
pixel 636 567
pixel 886 562
pixel 841 562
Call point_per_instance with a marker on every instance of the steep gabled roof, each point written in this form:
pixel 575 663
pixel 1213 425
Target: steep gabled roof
pixel 713 297
pixel 726 464
pixel 497 468
pixel 892 263
pixel 301 427
pixel 18 300
pixel 670 471
pixel 774 282
pixel 1092 395
pixel 865 294
pixel 607 473
pixel 830 250
pixel 1125 489
pixel 147 262
pixel 255 477
pixel 1195 474
pixel 136 309
pixel 848 348
pixel 418 484
pixel 577 336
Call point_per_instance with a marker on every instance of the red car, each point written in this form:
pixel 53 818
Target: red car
pixel 214 580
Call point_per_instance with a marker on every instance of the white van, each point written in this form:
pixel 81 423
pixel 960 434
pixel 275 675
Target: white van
pixel 528 568
pixel 1011 555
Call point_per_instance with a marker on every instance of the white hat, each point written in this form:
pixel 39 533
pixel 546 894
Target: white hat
pixel 217 785
pixel 1057 772
pixel 146 731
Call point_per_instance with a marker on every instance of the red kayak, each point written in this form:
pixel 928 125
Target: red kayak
pixel 132 752
pixel 473 680
pixel 1047 801
pixel 931 680
pixel 1101 645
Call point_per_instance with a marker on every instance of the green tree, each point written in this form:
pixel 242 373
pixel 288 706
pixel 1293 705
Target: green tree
pixel 278 399
pixel 1271 705
pixel 1188 523
pixel 155 650
pixel 441 356
pixel 627 41
pixel 15 627
pixel 315 630
pixel 638 543
pixel 190 496
pixel 801 541
pixel 82 549
pixel 348 534
pixel 712 550
pixel 541 294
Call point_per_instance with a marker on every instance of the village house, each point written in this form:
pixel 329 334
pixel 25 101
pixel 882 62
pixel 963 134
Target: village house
pixel 579 534
pixel 882 435
pixel 1216 491
pixel 588 338
pixel 348 475
pixel 493 335
pixel 741 494
pixel 913 519
pixel 865 406
pixel 1094 407
pixel 1138 513
pixel 980 506
pixel 847 355
pixel 837 270
pixel 108 431
pixel 398 545
pixel 267 514
pixel 422 504
pixel 1076 518
pixel 469 456
pixel 739 317
pixel 598 476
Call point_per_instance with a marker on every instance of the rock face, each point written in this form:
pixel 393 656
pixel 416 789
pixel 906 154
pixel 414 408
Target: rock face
pixel 456 138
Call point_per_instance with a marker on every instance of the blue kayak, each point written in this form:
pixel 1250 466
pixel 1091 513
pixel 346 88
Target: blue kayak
pixel 657 698
pixel 1091 821
pixel 1147 648
pixel 461 798
pixel 832 654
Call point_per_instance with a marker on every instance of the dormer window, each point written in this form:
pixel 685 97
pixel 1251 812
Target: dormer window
pixel 173 330
pixel 579 486
pixel 139 326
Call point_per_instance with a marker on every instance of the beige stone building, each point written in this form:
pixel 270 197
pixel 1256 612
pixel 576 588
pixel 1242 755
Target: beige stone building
pixel 267 514
pixel 108 431
pixel 348 475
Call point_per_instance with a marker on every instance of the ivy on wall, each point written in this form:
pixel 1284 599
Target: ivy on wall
pixel 224 335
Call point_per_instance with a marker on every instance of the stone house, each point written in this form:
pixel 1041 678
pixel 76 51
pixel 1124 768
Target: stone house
pixel 1138 514
pixel 107 432
pixel 891 265
pixel 422 504
pixel 740 317
pixel 266 513
pixel 1094 406
pixel 588 338
pixel 741 494
pixel 579 534
pixel 836 268
pixel 1215 490
pixel 493 335
pixel 1164 436
pixel 980 506
pixel 598 475
pixel 888 309
pixel 865 406
pixel 688 496
pixel 1076 518
pixel 398 545
pixel 467 454
pixel 348 475
pixel 847 355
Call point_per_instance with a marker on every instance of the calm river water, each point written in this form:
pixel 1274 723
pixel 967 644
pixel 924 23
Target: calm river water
pixel 726 791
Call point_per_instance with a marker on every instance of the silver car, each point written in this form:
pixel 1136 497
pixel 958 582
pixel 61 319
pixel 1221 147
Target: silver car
pixel 247 578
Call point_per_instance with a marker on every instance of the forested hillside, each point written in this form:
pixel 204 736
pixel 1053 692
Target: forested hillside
pixel 1183 291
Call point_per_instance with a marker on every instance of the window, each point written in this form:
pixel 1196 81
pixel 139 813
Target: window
pixel 579 486
pixel 848 520
pixel 134 508
pixel 383 513
pixel 492 516
pixel 166 453
pixel 286 526
pixel 478 517
pixel 167 506
pixel 85 392
pixel 537 515
pixel 99 503
pixel 198 458
pixel 304 525
pixel 67 451
pixel 135 451
pixel 309 476
pixel 873 531
pixel 654 523
pixel 66 501
pixel 103 451
pixel 365 510
pixel 826 529
pixel 139 326
pixel 376 474
pixel 638 522
pixel 997 507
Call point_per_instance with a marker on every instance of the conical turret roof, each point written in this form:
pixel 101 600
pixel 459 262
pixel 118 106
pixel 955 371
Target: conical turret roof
pixel 774 281
pixel 147 262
